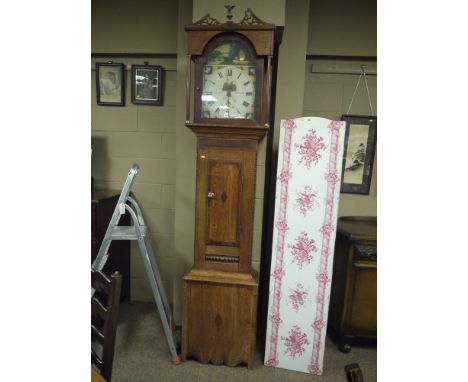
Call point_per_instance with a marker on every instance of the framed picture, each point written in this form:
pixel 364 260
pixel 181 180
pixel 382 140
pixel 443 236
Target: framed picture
pixel 359 149
pixel 147 84
pixel 110 84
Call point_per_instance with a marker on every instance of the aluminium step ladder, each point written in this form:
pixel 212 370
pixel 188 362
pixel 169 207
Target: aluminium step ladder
pixel 138 231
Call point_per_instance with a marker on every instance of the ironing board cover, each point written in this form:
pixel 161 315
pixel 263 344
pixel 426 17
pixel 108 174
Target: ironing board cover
pixel 307 193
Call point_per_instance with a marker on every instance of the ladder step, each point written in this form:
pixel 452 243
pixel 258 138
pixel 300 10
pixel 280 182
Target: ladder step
pixel 116 232
pixel 126 233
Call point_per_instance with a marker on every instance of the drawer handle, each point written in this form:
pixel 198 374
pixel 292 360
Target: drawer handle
pixel 211 195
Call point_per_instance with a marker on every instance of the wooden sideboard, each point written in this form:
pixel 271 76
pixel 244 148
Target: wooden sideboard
pixel 103 203
pixel 353 303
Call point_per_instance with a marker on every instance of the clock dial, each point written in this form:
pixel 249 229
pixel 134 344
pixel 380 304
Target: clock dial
pixel 228 91
pixel 228 87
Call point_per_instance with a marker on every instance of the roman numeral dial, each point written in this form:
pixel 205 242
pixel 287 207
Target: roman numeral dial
pixel 228 91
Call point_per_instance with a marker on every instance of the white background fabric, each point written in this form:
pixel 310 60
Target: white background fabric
pixel 307 194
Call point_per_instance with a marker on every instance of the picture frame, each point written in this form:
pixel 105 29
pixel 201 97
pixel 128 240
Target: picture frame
pixel 358 156
pixel 110 83
pixel 147 84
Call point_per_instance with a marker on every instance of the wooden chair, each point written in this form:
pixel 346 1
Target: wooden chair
pixel 104 317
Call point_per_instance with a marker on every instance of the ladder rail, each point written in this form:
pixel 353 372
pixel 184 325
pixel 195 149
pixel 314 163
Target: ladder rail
pixel 137 209
pixel 123 196
pixel 151 257
pixel 101 259
pixel 159 303
pixel 158 277
pixel 126 203
pixel 154 277
pixel 136 224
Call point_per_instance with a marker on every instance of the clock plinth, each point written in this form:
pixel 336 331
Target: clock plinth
pixel 220 311
pixel 231 114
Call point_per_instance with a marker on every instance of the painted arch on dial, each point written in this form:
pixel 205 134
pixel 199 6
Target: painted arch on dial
pixel 229 82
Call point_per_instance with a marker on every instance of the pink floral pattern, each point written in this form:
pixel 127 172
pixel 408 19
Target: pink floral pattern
pixel 318 324
pixel 335 126
pixel 322 278
pixel 282 225
pixel 300 270
pixel 272 362
pixel 282 228
pixel 326 229
pixel 332 177
pixel 315 369
pixel 310 148
pixel 284 176
pixel 276 319
pixel 289 125
pixel 295 342
pixel 298 296
pixel 302 248
pixel 306 200
pixel 278 273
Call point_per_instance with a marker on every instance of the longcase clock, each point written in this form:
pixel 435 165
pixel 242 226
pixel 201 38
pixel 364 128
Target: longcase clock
pixel 232 66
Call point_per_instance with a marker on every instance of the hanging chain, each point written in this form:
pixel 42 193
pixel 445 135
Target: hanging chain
pixel 355 89
pixel 363 74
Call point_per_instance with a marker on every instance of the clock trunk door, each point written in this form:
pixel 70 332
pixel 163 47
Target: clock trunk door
pixel 225 196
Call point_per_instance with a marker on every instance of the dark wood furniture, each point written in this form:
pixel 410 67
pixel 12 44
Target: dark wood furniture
pixel 353 303
pixel 103 203
pixel 233 77
pixel 354 373
pixel 104 317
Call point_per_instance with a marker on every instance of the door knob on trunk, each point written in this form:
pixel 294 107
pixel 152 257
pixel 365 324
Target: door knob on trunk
pixel 211 195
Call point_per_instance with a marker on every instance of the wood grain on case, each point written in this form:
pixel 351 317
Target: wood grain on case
pixel 224 181
pixel 224 224
pixel 222 305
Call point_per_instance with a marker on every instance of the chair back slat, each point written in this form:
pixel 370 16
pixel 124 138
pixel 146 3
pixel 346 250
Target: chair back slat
pixel 109 314
pixel 95 359
pixel 100 281
pixel 96 335
pixel 97 309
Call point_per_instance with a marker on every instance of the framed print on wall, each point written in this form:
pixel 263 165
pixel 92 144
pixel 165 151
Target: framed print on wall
pixel 359 149
pixel 110 84
pixel 147 84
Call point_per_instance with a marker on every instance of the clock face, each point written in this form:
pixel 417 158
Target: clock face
pixel 229 82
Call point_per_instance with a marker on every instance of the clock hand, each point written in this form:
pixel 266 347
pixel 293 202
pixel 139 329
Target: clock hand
pixel 228 94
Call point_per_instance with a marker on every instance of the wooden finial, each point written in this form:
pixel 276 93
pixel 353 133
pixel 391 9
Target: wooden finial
pixel 229 9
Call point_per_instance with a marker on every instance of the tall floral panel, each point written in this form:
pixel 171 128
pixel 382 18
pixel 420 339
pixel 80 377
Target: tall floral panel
pixel 307 193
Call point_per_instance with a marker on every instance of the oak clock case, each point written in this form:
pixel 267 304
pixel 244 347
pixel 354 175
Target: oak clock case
pixel 228 92
pixel 232 82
